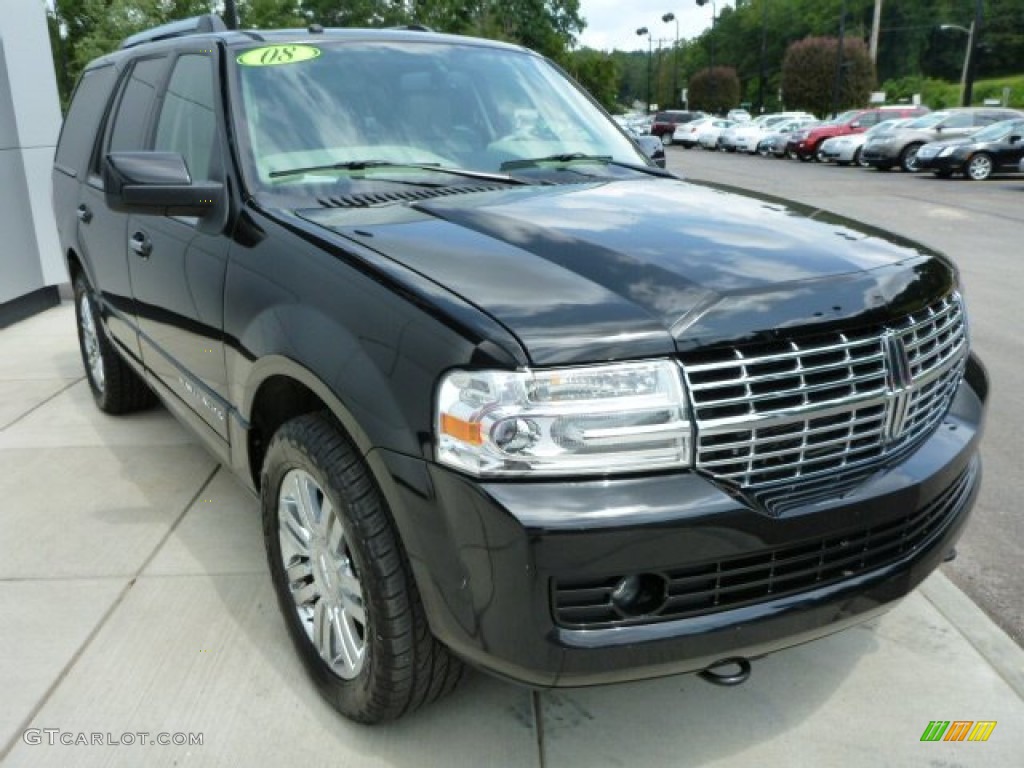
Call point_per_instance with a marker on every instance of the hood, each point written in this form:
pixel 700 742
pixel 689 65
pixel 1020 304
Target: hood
pixel 639 268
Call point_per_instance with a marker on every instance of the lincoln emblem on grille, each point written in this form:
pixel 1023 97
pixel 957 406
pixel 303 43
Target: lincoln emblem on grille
pixel 899 383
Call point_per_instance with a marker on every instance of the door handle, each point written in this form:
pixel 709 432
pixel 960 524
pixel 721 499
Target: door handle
pixel 84 214
pixel 141 244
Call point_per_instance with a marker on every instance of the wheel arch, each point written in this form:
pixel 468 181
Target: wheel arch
pixel 279 390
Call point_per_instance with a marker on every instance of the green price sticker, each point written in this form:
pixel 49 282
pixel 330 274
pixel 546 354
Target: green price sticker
pixel 275 55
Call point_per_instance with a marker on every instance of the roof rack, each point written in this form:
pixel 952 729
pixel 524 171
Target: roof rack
pixel 414 28
pixel 197 25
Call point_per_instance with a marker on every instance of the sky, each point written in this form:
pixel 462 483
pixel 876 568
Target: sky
pixel 613 23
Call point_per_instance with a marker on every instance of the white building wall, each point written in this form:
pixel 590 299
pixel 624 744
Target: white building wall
pixel 30 119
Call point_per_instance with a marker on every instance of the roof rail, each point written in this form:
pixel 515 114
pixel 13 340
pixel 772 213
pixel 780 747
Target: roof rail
pixel 197 25
pixel 414 27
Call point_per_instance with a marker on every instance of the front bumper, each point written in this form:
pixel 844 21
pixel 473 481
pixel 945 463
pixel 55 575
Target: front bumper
pixel 881 156
pixel 949 163
pixel 488 555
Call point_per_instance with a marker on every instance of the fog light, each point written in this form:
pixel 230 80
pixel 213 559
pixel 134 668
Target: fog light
pixel 639 594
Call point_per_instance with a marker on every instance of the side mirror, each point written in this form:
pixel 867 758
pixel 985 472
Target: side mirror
pixel 1015 138
pixel 653 148
pixel 157 183
pixel 939 129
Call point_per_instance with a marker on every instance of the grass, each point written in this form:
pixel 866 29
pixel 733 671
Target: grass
pixel 939 94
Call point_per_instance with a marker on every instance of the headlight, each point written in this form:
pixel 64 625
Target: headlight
pixel 589 420
pixel 947 151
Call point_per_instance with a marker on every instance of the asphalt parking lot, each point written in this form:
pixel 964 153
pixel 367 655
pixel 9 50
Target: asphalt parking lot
pixel 135 597
pixel 981 226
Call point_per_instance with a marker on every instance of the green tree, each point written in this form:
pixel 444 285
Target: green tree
pixel 715 89
pixel 597 73
pixel 809 69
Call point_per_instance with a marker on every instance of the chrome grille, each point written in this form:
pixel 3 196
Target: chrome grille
pixel 799 420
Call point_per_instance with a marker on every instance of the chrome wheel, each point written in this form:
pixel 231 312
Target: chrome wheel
pixel 91 341
pixel 979 168
pixel 321 574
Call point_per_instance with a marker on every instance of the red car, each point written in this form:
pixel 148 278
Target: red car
pixel 805 144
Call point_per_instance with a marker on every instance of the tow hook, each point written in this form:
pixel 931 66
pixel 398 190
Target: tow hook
pixel 720 673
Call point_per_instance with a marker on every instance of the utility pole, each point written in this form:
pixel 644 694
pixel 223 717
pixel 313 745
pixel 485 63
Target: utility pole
pixel 876 25
pixel 838 84
pixel 972 48
pixel 230 14
pixel 764 53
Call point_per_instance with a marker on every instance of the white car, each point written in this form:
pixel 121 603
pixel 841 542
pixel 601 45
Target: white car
pixel 738 115
pixel 709 134
pixel 844 150
pixel 747 136
pixel 686 134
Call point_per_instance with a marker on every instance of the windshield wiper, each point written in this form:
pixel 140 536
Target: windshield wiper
pixel 363 165
pixel 573 157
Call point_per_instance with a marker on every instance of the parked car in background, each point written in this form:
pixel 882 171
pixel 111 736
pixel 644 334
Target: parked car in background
pixel 805 145
pixel 738 115
pixel 774 142
pixel 748 135
pixel 685 134
pixel 844 150
pixel 999 147
pixel 900 146
pixel 665 123
pixel 709 135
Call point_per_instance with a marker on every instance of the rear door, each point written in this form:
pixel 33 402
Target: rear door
pixel 178 272
pixel 102 233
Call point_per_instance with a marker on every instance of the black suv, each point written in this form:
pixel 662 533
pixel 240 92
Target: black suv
pixel 508 394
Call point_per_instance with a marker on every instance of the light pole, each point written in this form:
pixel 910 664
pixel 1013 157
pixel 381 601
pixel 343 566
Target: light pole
pixel 837 87
pixel 711 69
pixel 969 31
pixel 675 57
pixel 640 33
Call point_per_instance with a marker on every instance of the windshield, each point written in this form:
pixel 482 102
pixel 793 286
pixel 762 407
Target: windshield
pixel 998 131
pixel 314 115
pixel 886 125
pixel 928 121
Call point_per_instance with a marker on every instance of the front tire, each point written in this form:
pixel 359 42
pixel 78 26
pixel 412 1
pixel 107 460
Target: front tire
pixel 666 139
pixel 979 167
pixel 908 158
pixel 116 387
pixel 342 579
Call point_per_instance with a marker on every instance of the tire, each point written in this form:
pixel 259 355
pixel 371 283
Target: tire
pixel 116 387
pixel 979 167
pixel 335 557
pixel 805 158
pixel 819 156
pixel 908 157
pixel 857 160
pixel 666 139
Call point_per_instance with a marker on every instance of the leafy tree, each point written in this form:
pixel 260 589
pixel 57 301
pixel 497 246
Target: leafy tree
pixel 808 74
pixel 596 72
pixel 715 89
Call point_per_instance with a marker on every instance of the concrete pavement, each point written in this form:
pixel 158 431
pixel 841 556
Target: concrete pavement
pixel 134 598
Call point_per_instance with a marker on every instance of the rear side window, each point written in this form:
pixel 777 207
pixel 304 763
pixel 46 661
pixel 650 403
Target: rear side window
pixel 129 129
pixel 84 118
pixel 187 123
